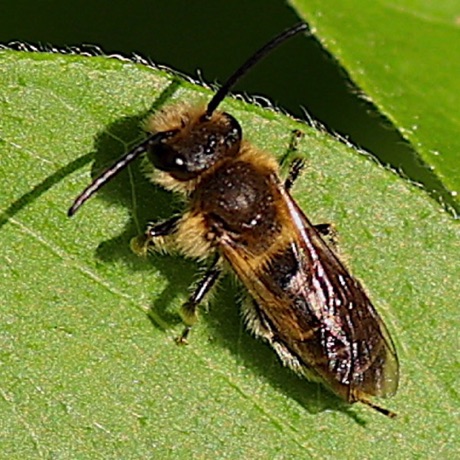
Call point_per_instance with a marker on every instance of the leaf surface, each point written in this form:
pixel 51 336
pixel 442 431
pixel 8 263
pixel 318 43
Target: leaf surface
pixel 88 360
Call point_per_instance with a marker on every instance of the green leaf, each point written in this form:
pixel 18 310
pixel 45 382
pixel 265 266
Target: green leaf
pixel 405 56
pixel 88 361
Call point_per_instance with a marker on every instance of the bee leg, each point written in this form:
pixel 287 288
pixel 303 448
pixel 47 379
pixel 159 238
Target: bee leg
pixel 295 165
pixel 295 168
pixel 324 229
pixel 149 240
pixel 328 232
pixel 164 228
pixel 189 309
pixel 258 323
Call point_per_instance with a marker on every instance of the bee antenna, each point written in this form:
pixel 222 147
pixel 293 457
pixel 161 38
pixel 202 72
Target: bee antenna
pixel 252 61
pixel 110 172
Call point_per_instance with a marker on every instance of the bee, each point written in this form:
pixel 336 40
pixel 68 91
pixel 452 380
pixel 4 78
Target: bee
pixel 240 215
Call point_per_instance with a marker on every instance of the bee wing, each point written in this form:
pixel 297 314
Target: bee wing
pixel 314 313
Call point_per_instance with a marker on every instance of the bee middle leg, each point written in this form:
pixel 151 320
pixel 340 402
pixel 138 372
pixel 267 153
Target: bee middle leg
pixel 325 230
pixel 189 309
pixel 328 232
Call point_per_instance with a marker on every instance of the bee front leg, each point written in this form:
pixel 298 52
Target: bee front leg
pixel 296 165
pixel 189 309
pixel 152 239
pixel 295 168
pixel 165 228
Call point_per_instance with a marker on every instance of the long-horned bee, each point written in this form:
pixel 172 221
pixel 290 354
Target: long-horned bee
pixel 240 214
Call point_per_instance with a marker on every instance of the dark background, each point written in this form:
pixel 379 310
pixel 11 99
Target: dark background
pixel 214 37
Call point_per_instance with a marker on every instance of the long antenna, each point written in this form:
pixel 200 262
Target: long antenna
pixel 130 156
pixel 111 171
pixel 252 61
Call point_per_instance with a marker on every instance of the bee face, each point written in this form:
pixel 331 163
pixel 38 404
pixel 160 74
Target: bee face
pixel 195 145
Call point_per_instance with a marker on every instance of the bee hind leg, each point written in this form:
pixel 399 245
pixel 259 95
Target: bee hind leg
pixel 189 309
pixel 259 324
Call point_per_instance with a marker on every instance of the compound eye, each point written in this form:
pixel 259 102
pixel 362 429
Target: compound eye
pixel 166 158
pixel 179 162
pixel 234 131
pixel 163 155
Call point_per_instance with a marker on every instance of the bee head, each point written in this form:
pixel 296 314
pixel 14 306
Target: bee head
pixel 195 144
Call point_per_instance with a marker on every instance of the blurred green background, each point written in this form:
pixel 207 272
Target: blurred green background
pixel 211 38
